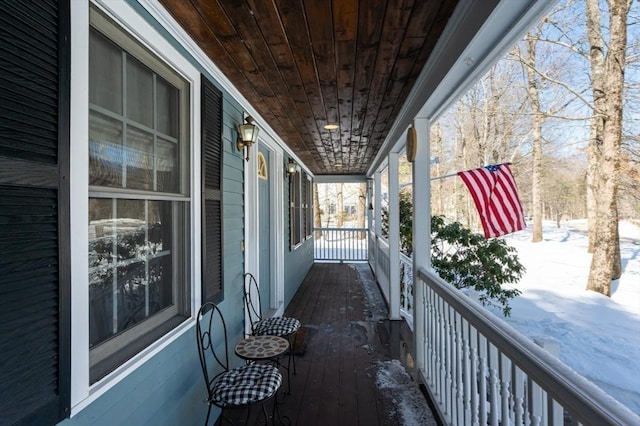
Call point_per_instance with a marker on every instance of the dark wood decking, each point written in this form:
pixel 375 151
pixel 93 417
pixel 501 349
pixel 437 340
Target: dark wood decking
pixel 354 369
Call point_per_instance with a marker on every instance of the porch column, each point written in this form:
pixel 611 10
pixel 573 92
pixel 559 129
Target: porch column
pixel 377 214
pixel 394 237
pixel 421 233
pixel 368 203
pixel 377 211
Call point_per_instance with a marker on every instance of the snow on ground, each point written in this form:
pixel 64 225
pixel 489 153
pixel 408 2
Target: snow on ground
pixel 405 397
pixel 599 337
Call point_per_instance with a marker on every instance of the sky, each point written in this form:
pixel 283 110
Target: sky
pixel 598 336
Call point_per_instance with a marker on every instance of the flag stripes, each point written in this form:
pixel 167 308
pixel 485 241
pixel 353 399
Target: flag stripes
pixel 495 195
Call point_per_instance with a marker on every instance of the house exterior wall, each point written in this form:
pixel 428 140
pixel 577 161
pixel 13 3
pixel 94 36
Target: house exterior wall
pixel 168 388
pixel 162 385
pixel 297 260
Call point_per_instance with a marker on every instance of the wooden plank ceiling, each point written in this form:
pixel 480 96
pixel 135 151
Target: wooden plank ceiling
pixel 304 64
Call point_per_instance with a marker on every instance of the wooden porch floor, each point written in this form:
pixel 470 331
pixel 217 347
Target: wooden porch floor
pixel 357 366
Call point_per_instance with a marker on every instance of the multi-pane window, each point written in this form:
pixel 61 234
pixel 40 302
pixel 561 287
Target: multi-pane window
pixel 301 208
pixel 139 197
pixel 309 208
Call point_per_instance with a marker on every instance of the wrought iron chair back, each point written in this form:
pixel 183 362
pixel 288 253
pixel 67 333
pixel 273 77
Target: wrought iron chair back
pixel 275 326
pixel 205 336
pixel 252 300
pixel 230 387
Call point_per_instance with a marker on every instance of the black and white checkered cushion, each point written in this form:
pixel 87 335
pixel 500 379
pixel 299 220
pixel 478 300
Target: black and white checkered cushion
pixel 277 326
pixel 245 385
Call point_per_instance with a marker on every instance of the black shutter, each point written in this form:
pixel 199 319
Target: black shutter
pixel 35 285
pixel 212 288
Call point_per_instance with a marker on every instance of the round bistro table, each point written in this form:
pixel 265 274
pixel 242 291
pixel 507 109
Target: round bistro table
pixel 261 348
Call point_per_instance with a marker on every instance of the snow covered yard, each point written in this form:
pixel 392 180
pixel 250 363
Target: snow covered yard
pixel 599 337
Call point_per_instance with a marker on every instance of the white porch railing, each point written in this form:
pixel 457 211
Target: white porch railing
pixel 406 289
pixel 379 263
pixel 340 244
pixel 479 370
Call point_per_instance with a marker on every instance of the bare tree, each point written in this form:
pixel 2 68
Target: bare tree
pixel 538 118
pixel 604 148
pixel 361 209
pixel 317 212
pixel 340 208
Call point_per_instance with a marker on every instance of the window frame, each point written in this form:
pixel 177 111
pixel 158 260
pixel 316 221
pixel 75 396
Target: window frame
pixel 138 29
pixel 300 209
pixel 107 355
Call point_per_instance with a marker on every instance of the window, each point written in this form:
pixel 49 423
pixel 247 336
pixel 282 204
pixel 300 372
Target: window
pixel 139 197
pixel 300 211
pixel 294 210
pixel 262 167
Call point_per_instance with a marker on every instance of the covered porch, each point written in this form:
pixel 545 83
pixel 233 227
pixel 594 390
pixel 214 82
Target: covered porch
pixel 354 365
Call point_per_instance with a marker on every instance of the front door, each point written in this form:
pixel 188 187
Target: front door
pixel 264 229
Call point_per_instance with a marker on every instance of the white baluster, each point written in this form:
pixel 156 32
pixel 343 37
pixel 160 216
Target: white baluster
pixel 505 389
pixel 475 375
pixel 459 383
pixel 483 376
pixel 493 380
pixel 518 400
pixel 466 372
pixel 535 403
pixel 447 361
pixel 557 412
pixel 441 356
pixel 430 317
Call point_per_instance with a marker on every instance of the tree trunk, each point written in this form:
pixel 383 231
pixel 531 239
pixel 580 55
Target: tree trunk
pixel 437 189
pixel 340 208
pixel 597 60
pixel 360 209
pixel 604 255
pixel 536 182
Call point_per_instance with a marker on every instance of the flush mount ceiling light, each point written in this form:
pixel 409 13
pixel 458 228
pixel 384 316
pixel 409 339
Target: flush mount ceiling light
pixel 247 135
pixel 331 126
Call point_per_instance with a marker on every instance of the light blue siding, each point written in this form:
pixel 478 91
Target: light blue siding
pixel 297 262
pixel 169 388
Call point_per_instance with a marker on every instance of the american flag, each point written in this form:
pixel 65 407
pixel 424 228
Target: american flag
pixel 495 195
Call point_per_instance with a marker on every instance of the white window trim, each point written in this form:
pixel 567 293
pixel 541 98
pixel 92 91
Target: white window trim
pixel 82 394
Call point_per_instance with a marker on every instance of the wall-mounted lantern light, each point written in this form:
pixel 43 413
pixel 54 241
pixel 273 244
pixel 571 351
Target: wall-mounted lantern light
pixel 247 135
pixel 292 167
pixel 370 193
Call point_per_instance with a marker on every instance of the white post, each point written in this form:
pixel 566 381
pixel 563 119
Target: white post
pixel 421 234
pixel 377 214
pixel 369 202
pixel 394 237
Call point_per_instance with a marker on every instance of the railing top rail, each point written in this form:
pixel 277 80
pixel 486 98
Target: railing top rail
pixel 340 229
pixel 583 399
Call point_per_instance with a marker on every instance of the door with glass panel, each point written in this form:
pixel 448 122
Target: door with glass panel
pixel 264 224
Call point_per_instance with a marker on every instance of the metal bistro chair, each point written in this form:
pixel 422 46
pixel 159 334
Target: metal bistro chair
pixel 274 326
pixel 230 387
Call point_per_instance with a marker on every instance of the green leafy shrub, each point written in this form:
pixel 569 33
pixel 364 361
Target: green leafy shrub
pixel 464 258
pixel 468 260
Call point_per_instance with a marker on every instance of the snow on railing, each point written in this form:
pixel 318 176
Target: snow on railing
pixel 479 370
pixel 341 244
pixel 406 289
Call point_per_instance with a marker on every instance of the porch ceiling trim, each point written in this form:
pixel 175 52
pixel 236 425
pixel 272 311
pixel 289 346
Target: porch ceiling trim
pixel 340 179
